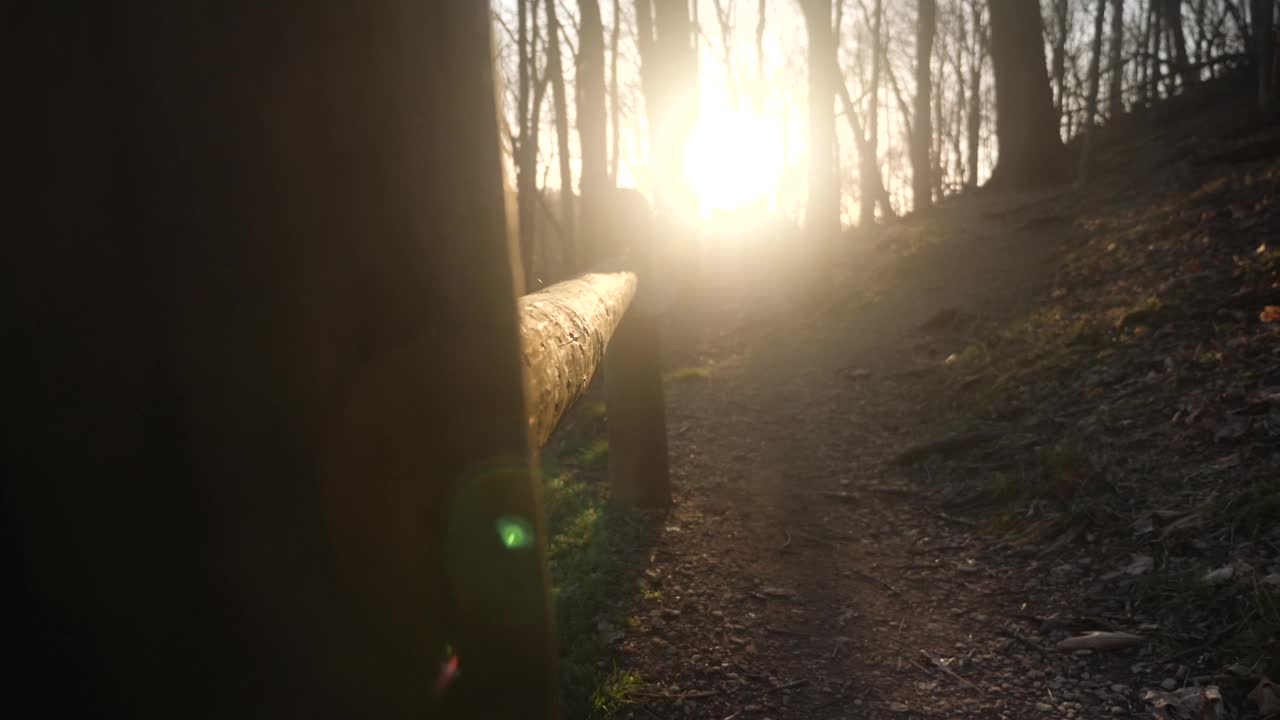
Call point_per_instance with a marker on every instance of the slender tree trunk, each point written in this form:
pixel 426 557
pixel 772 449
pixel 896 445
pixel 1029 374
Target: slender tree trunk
pixel 1173 18
pixel 526 149
pixel 871 185
pixel 673 106
pixel 568 221
pixel 1062 27
pixel 645 41
pixel 615 109
pixel 1155 24
pixel 822 211
pixel 1030 148
pixel 974 116
pixel 1264 52
pixel 877 193
pixel 1095 80
pixel 591 125
pixel 921 165
pixel 1115 73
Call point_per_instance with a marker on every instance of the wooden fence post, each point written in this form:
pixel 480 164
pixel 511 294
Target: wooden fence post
pixel 638 468
pixel 273 457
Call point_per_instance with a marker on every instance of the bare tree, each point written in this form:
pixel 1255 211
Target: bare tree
pixel 568 240
pixel 1030 149
pixel 525 146
pixel 1264 52
pixel 1173 21
pixel 591 122
pixel 973 125
pixel 1091 99
pixel 1062 28
pixel 921 165
pixel 822 211
pixel 1115 61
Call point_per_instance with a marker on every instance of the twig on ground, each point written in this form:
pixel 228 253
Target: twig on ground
pixel 787 686
pixel 692 694
pixel 953 519
pixel 784 631
pixel 877 580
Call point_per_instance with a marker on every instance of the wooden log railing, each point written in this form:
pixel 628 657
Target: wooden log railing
pixel 565 330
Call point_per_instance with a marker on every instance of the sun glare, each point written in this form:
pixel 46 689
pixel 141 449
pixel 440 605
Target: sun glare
pixel 733 159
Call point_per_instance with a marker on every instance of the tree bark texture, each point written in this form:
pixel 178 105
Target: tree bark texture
pixel 564 330
pixel 272 404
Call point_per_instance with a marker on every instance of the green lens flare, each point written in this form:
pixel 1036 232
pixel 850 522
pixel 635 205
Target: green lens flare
pixel 516 533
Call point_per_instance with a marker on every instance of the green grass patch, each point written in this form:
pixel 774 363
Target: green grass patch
pixel 592 549
pixel 614 693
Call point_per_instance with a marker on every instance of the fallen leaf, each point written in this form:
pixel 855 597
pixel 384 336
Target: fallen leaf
pixel 1100 640
pixel 1270 314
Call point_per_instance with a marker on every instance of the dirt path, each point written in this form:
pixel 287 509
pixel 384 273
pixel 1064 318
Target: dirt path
pixel 800 574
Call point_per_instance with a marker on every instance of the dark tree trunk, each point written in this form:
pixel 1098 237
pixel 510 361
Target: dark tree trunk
pixel 592 130
pixel 1029 147
pixel 1115 58
pixel 568 220
pixel 279 494
pixel 822 210
pixel 921 165
pixel 1264 53
pixel 1095 81
pixel 526 143
pixel 1173 19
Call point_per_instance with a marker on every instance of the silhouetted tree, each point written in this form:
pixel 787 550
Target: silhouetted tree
pixel 1091 98
pixel 822 210
pixel 973 120
pixel 921 165
pixel 568 224
pixel 1264 52
pixel 1115 61
pixel 592 133
pixel 1030 150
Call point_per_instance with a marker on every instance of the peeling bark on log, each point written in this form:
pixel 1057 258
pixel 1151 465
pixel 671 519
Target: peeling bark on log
pixel 564 330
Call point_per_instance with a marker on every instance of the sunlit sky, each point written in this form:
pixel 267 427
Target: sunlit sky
pixel 736 155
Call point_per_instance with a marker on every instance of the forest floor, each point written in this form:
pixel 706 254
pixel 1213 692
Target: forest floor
pixel 1023 418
